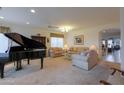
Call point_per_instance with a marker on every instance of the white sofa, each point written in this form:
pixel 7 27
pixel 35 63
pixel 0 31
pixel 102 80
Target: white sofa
pixel 75 50
pixel 85 61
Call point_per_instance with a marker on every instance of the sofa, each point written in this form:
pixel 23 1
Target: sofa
pixel 55 52
pixel 85 60
pixel 75 50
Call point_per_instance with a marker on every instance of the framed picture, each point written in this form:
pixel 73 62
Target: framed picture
pixel 79 40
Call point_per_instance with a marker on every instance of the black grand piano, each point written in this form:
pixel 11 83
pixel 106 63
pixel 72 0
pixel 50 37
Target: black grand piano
pixel 28 49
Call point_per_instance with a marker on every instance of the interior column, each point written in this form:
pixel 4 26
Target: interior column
pixel 122 36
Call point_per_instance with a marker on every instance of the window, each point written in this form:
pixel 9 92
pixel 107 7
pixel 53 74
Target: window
pixel 4 41
pixel 56 42
pixel 110 43
pixel 103 42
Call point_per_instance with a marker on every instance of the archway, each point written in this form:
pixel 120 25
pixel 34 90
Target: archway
pixel 110 45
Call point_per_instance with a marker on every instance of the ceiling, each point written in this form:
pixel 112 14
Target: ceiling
pixel 110 33
pixel 81 17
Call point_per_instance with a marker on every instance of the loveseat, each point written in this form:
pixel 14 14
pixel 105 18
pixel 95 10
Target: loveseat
pixel 86 60
pixel 55 52
pixel 75 50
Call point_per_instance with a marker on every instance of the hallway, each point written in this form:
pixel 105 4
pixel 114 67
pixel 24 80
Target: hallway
pixel 113 57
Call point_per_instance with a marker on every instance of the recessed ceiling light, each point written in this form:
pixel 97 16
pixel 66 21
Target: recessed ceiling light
pixel 1 17
pixel 32 11
pixel 27 23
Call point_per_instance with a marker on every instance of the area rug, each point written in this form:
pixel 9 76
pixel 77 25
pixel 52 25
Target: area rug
pixel 56 71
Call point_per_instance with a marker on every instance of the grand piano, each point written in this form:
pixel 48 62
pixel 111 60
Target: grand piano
pixel 28 49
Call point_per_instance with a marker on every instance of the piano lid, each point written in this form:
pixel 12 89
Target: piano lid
pixel 24 41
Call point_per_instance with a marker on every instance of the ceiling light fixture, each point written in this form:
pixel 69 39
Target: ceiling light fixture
pixel 27 23
pixel 65 29
pixel 32 11
pixel 1 17
pixel 62 28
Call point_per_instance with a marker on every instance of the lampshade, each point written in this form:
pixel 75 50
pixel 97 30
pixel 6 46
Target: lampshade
pixel 65 46
pixel 93 47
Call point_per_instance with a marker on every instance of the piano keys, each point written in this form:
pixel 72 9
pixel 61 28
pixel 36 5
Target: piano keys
pixel 28 49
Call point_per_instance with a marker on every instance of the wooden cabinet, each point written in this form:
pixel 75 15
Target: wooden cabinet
pixel 39 39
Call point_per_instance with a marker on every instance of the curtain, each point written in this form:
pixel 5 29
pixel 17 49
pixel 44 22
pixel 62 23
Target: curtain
pixel 4 29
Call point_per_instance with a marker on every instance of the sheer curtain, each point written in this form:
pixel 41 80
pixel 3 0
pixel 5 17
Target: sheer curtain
pixel 57 40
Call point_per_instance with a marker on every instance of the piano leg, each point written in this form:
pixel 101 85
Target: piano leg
pixel 19 65
pixel 41 63
pixel 2 70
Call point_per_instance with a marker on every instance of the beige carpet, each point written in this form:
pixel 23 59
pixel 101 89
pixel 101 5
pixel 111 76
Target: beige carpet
pixel 56 71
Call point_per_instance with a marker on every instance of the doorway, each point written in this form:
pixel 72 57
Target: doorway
pixel 110 45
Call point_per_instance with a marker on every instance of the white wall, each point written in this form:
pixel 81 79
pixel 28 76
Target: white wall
pixel 91 35
pixel 122 36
